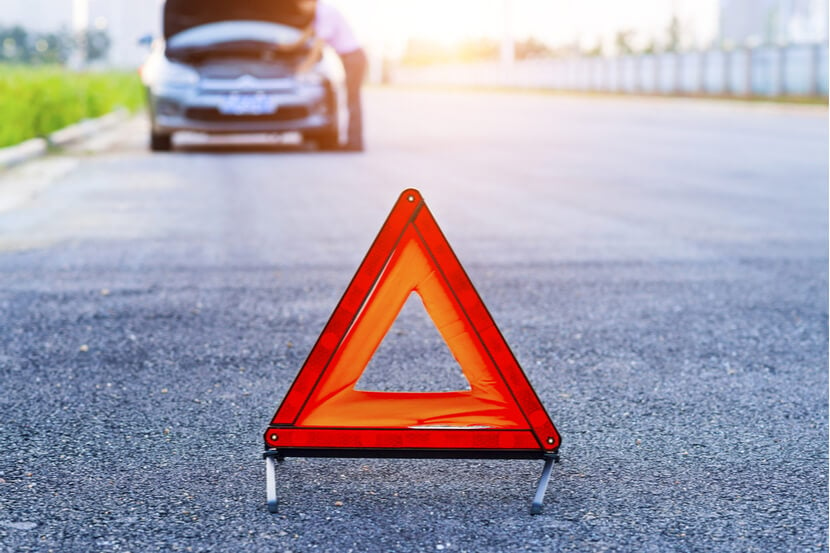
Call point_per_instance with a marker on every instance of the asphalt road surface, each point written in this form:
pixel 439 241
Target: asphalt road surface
pixel 659 269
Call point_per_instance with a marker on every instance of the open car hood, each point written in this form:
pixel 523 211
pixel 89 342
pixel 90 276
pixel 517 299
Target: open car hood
pixel 180 15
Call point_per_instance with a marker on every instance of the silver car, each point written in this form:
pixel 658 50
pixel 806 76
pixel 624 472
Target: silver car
pixel 242 67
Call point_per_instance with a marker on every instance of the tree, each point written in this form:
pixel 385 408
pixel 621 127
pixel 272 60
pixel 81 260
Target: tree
pixel 14 44
pixel 623 42
pixel 532 48
pixel 17 45
pixel 54 48
pixel 675 35
pixel 478 49
pixel 97 44
pixel 595 52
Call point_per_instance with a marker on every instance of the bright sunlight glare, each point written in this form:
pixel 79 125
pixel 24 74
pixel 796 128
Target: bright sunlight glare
pixel 389 24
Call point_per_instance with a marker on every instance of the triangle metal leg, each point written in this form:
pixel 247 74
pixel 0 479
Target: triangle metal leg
pixel 271 484
pixel 539 498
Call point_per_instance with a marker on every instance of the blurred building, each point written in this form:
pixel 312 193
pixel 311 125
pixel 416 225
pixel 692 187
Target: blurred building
pixel 125 21
pixel 752 22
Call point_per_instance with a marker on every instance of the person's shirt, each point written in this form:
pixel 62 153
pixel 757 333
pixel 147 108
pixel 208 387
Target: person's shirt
pixel 331 27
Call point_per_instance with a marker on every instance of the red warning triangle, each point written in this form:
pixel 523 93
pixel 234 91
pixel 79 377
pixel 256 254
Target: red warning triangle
pixel 323 414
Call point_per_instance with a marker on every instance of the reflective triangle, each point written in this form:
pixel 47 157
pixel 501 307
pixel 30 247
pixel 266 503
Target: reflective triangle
pixel 323 410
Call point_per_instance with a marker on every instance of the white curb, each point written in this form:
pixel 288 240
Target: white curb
pixel 21 152
pixel 35 147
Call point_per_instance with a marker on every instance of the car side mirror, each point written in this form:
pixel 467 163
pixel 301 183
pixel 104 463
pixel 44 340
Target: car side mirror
pixel 145 41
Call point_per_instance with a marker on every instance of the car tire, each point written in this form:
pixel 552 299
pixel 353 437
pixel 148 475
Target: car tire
pixel 161 142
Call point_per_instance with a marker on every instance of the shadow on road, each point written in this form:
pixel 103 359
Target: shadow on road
pixel 235 144
pixel 245 148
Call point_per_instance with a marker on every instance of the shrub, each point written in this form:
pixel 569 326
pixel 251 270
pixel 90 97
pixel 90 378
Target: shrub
pixel 35 101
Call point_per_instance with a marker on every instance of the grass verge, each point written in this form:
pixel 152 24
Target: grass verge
pixel 35 101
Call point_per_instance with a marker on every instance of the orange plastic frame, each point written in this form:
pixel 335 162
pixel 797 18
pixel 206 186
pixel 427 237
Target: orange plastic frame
pixel 323 411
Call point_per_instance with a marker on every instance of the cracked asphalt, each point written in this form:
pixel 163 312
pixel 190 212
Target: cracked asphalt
pixel 659 268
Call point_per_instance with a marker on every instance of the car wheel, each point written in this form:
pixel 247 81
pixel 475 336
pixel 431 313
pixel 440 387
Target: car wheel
pixel 161 142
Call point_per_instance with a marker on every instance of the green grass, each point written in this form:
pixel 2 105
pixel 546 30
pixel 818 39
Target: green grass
pixel 35 101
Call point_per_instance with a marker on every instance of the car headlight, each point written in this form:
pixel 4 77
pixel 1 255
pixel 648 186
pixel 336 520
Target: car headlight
pixel 175 74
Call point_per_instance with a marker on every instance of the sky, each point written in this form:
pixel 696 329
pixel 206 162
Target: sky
pixel 389 23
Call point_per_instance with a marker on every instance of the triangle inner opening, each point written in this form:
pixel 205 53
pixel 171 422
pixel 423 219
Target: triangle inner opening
pixel 413 357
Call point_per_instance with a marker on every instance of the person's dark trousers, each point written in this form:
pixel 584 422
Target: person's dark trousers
pixel 355 65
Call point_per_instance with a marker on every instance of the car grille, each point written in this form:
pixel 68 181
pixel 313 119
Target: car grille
pixel 284 113
pixel 257 69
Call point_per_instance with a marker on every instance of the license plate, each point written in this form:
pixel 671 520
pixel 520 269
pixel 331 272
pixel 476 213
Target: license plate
pixel 247 104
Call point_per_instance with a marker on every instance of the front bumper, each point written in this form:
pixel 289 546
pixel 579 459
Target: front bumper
pixel 303 109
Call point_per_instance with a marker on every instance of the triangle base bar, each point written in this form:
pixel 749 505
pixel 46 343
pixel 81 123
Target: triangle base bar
pixel 284 437
pixel 402 453
pixel 278 455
